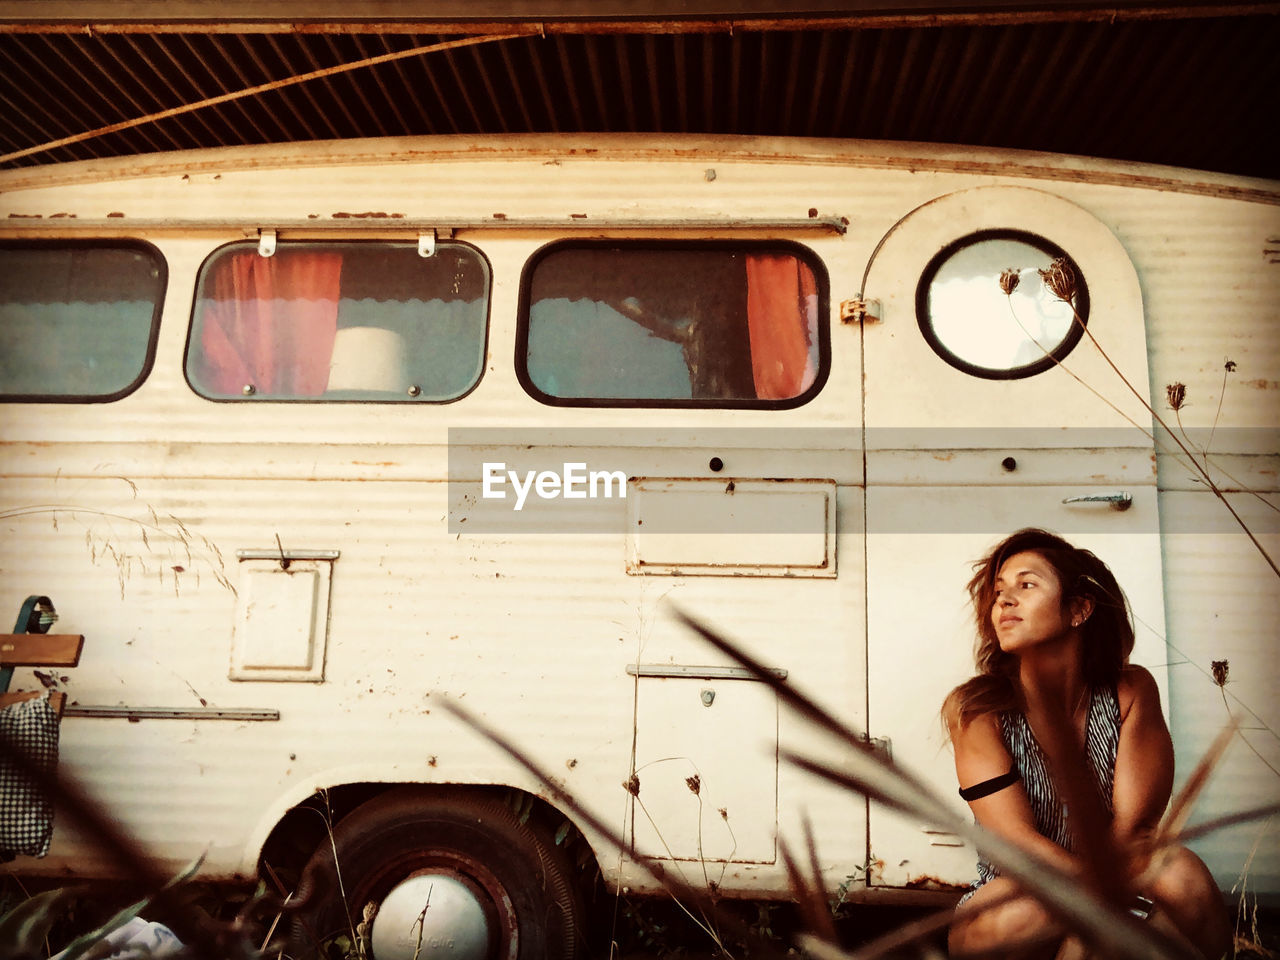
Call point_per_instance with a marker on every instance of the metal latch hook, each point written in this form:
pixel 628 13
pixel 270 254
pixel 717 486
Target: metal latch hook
pixel 1122 500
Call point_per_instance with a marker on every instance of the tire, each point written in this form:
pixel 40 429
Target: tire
pixel 466 849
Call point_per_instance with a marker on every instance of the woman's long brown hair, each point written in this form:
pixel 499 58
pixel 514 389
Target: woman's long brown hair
pixel 1106 635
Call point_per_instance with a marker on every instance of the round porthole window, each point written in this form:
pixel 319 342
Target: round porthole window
pixel 985 308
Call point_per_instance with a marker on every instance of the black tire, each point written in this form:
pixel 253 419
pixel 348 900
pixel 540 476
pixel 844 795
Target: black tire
pixel 525 882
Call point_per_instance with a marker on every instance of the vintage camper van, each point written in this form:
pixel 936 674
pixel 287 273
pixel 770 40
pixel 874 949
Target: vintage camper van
pixel 307 440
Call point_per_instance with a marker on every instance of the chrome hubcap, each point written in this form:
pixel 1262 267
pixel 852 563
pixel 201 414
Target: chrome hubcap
pixel 432 916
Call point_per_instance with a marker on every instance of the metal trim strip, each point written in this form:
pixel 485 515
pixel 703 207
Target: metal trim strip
pixel 690 671
pixel 170 713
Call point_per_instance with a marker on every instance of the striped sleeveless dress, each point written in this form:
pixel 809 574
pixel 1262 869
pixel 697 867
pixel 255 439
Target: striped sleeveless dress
pixel 1102 739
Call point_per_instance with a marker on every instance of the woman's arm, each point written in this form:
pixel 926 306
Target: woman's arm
pixel 1144 760
pixel 980 756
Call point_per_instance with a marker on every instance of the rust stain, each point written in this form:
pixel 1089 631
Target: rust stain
pixel 367 215
pixel 25 216
pixel 926 882
pixel 115 213
pixel 1261 384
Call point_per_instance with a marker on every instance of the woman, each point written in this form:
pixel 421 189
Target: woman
pixel 1054 640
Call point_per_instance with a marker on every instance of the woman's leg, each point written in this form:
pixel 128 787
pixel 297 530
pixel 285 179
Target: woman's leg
pixel 1187 897
pixel 996 917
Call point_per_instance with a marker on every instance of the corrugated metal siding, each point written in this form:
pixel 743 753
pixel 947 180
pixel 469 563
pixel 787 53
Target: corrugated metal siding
pixel 1182 92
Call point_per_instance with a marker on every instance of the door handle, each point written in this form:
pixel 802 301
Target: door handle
pixel 1122 500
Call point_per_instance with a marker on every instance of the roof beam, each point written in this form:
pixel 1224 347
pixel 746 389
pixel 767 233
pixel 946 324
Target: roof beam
pixel 571 16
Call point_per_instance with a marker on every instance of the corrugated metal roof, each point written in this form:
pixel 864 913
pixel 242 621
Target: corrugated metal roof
pixel 1189 91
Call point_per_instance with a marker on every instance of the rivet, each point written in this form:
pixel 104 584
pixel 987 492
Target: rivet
pixel 415 390
pixel 716 464
pixel 1009 464
pixel 248 390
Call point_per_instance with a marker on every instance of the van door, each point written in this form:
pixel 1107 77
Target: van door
pixel 989 409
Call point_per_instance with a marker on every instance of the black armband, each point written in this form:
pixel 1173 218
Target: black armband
pixel 988 787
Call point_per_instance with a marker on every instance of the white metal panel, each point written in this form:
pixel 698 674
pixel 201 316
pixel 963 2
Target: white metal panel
pixel 281 620
pixel 738 527
pixel 706 771
pixel 909 386
pixel 1224 606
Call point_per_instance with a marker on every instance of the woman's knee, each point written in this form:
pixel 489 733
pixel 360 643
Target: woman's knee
pixel 984 921
pixel 1183 878
pixel 1186 890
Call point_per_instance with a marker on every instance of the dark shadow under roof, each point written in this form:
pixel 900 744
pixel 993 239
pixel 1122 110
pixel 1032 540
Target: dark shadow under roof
pixel 1191 89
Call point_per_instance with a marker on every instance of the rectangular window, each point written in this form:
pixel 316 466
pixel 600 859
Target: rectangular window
pixel 339 321
pixel 674 324
pixel 78 320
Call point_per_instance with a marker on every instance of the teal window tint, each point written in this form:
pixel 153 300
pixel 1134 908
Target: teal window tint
pixel 673 323
pixel 77 320
pixel 339 321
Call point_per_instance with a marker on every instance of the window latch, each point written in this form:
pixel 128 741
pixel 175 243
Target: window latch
pixel 427 243
pixel 266 243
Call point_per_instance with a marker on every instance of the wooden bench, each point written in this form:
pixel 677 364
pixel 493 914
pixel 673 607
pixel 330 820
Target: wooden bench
pixel 37 650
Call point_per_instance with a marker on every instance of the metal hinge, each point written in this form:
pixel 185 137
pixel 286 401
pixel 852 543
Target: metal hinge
pixel 858 310
pixel 880 745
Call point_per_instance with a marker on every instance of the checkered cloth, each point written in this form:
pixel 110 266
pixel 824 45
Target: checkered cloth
pixel 26 814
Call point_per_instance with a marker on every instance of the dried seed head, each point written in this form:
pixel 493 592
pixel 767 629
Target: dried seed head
pixel 1009 281
pixel 694 783
pixel 1177 394
pixel 370 911
pixel 1060 279
pixel 1229 366
pixel 632 785
pixel 1220 670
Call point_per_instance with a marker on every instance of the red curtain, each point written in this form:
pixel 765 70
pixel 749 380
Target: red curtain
pixel 782 324
pixel 270 323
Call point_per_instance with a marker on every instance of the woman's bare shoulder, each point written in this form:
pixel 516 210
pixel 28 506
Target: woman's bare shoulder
pixel 1136 687
pixel 981 734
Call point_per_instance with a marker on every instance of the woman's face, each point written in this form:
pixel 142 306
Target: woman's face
pixel 1028 609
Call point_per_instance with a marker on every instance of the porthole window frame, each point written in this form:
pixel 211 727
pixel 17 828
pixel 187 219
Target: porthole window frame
pixel 321 400
pixel 162 289
pixel 1040 242
pixel 805 254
